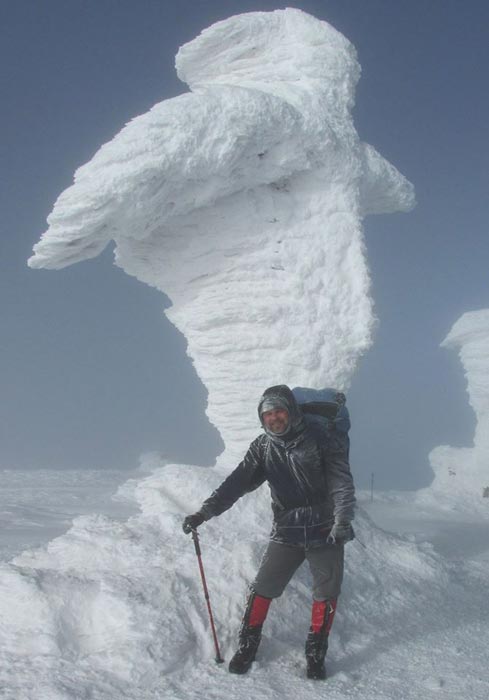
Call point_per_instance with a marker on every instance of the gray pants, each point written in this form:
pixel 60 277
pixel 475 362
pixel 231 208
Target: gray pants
pixel 280 562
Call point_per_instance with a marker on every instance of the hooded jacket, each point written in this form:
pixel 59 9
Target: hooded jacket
pixel 307 471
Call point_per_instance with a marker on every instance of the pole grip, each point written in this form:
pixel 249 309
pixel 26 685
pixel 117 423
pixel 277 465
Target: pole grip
pixel 195 538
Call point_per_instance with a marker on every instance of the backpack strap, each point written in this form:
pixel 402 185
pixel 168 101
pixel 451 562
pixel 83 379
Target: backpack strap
pixel 325 409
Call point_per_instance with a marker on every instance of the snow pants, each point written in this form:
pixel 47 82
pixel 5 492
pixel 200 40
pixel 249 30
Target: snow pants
pixel 281 561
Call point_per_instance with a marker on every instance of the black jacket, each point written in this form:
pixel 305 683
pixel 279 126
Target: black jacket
pixel 307 471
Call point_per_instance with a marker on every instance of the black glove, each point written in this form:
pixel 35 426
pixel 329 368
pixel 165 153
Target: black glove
pixel 340 533
pixel 192 522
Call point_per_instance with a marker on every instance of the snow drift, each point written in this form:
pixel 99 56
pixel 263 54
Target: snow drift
pixel 462 473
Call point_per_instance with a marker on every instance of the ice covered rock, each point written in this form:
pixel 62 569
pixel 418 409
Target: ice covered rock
pixel 462 474
pixel 243 201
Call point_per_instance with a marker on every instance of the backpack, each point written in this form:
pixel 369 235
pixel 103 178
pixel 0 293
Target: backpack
pixel 325 406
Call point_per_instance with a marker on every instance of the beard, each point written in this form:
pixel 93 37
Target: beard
pixel 278 426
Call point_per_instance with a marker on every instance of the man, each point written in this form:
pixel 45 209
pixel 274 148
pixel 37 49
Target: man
pixel 306 465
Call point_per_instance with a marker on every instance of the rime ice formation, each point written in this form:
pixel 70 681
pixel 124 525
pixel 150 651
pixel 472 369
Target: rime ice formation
pixel 243 200
pixel 462 474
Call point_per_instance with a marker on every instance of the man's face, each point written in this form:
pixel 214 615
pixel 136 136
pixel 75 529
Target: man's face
pixel 276 420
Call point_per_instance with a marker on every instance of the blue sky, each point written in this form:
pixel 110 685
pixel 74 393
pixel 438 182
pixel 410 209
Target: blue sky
pixel 92 373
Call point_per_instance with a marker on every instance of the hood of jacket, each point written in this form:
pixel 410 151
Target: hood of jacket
pixel 281 396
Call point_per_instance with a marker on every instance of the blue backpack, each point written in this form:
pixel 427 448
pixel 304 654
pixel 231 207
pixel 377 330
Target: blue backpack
pixel 326 406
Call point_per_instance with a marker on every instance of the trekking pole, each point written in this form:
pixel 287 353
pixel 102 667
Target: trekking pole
pixel 195 537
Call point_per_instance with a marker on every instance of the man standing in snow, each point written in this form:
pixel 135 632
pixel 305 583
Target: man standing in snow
pixel 306 466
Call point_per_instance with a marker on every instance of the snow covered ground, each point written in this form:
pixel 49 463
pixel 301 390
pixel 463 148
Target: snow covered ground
pixel 36 506
pixel 90 614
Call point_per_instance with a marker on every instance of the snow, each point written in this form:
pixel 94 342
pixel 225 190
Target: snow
pixel 243 201
pixel 115 609
pixel 37 506
pixel 461 473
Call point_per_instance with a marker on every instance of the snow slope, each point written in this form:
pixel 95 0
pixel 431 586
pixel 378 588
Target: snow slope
pixel 243 202
pixel 462 473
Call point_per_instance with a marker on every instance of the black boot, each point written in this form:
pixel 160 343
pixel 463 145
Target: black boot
pixel 317 639
pixel 249 641
pixel 250 633
pixel 316 648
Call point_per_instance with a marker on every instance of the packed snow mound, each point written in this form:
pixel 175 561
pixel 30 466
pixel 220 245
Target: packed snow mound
pixel 462 474
pixel 242 201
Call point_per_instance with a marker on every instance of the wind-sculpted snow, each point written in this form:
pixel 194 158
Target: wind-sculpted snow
pixel 462 473
pixel 243 202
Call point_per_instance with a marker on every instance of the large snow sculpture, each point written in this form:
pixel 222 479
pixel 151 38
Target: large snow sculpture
pixel 242 201
pixel 462 473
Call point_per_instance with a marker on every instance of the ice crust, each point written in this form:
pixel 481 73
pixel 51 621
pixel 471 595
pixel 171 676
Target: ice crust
pixel 462 473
